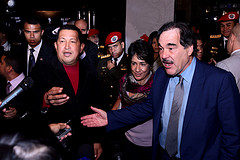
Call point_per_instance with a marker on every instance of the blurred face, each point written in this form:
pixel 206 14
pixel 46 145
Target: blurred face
pixel 33 34
pixel 140 69
pixel 174 56
pixel 68 47
pixel 116 49
pixel 3 67
pixel 94 38
pixel 226 28
pixel 200 49
pixel 2 38
pixel 82 25
pixel 155 48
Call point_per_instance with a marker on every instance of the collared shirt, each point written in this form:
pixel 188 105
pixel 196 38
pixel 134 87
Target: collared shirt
pixel 235 52
pixel 119 58
pixel 83 55
pixel 15 82
pixel 224 41
pixel 35 53
pixel 167 105
pixel 6 46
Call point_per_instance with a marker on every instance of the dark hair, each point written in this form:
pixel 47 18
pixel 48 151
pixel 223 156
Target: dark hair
pixel 71 27
pixel 186 34
pixel 17 147
pixel 33 21
pixel 197 36
pixel 153 35
pixel 14 60
pixel 142 50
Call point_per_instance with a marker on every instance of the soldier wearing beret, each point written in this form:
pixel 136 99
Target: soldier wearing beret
pixel 93 36
pixel 111 68
pixel 215 49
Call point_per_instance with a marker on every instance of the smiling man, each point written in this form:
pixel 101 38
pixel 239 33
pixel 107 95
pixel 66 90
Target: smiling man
pixel 195 106
pixel 215 49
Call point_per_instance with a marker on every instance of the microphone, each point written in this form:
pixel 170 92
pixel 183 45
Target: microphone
pixel 26 84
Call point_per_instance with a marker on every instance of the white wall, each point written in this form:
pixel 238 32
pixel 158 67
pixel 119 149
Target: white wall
pixel 145 16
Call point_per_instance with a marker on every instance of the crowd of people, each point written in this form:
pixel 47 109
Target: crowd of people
pixel 170 96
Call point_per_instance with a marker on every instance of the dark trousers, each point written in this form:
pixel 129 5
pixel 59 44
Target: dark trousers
pixel 132 151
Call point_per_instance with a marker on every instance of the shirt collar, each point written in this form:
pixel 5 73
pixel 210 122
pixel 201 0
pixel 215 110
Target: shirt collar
pixel 235 51
pixel 36 49
pixel 15 82
pixel 187 74
pixel 119 58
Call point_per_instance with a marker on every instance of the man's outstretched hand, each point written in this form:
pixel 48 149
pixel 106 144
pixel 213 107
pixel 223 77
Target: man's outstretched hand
pixel 97 119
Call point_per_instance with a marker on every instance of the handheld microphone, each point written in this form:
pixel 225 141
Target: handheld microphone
pixel 26 84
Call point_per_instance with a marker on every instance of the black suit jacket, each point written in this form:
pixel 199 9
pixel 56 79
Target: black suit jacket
pixel 54 75
pixel 91 50
pixel 45 54
pixel 24 105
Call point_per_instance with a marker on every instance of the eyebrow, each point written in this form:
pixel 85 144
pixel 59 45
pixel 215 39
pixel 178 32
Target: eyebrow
pixel 171 44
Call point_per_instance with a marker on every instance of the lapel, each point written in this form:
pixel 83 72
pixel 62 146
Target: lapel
pixel 62 76
pixel 194 94
pixel 42 55
pixel 160 88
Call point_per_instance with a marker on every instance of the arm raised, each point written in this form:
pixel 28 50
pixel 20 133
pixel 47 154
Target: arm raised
pixel 97 119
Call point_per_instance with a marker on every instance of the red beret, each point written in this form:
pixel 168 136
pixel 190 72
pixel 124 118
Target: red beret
pixel 93 32
pixel 230 16
pixel 144 37
pixel 113 37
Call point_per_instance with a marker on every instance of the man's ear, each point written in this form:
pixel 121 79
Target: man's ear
pixel 190 50
pixel 55 45
pixel 9 69
pixel 82 47
pixel 122 44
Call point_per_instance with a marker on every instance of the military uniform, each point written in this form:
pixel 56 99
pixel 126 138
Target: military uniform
pixel 109 79
pixel 214 48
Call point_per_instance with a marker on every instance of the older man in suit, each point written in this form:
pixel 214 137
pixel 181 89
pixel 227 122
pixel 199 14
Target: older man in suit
pixel 195 106
pixel 232 63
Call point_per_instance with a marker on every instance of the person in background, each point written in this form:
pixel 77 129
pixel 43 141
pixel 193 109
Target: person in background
pixel 134 88
pixel 12 71
pixel 111 68
pixel 36 52
pixel 16 146
pixel 215 49
pixel 152 41
pixel 90 49
pixel 200 46
pixel 195 106
pixel 232 63
pixel 4 38
pixel 93 36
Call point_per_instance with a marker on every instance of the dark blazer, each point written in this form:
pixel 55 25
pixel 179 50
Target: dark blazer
pixel 211 128
pixel 45 54
pixel 54 75
pixel 91 50
pixel 24 105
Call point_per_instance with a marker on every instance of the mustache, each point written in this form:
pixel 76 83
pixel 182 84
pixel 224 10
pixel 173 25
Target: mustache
pixel 166 61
